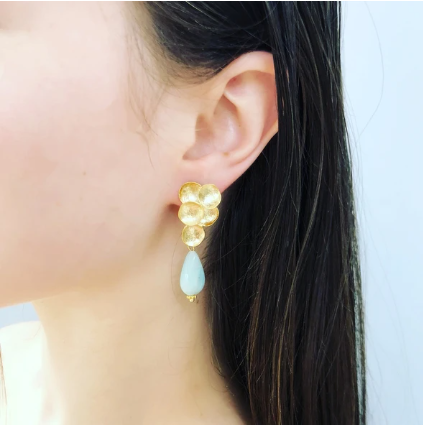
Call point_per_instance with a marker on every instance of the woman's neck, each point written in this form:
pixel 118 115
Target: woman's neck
pixel 134 352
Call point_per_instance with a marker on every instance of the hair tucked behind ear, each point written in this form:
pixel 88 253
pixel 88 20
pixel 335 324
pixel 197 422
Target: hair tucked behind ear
pixel 283 293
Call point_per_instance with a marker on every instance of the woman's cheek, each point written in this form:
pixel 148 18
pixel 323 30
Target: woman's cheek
pixel 68 174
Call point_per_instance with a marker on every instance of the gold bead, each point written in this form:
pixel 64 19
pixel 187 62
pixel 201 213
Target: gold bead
pixel 209 196
pixel 210 216
pixel 191 213
pixel 189 192
pixel 192 298
pixel 193 235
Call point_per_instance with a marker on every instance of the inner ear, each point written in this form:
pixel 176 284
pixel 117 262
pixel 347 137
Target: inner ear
pixel 204 143
pixel 218 133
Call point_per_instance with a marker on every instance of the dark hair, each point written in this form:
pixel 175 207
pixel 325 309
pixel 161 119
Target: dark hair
pixel 284 291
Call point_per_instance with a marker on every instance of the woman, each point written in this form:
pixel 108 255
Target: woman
pixel 107 111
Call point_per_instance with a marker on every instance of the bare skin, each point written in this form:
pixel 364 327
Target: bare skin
pixel 89 229
pixel 28 403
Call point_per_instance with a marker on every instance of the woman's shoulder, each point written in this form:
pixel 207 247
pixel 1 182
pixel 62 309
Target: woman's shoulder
pixel 18 333
pixel 16 344
pixel 16 340
pixel 18 366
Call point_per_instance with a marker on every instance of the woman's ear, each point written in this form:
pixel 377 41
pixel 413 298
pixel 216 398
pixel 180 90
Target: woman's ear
pixel 234 123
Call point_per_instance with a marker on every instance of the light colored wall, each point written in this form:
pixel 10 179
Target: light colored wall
pixel 383 77
pixel 383 70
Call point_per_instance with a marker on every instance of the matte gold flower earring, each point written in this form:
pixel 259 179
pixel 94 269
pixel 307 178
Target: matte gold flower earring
pixel 198 210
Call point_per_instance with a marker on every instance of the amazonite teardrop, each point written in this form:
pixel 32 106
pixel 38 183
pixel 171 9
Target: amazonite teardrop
pixel 192 274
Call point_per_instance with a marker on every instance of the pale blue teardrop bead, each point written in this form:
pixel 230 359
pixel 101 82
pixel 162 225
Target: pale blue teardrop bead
pixel 192 274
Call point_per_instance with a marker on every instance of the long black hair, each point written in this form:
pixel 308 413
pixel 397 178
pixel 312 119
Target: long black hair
pixel 283 286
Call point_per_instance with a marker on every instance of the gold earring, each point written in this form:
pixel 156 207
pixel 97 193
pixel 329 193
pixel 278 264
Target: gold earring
pixel 198 210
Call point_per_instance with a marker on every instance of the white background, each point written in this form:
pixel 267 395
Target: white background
pixel 383 72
